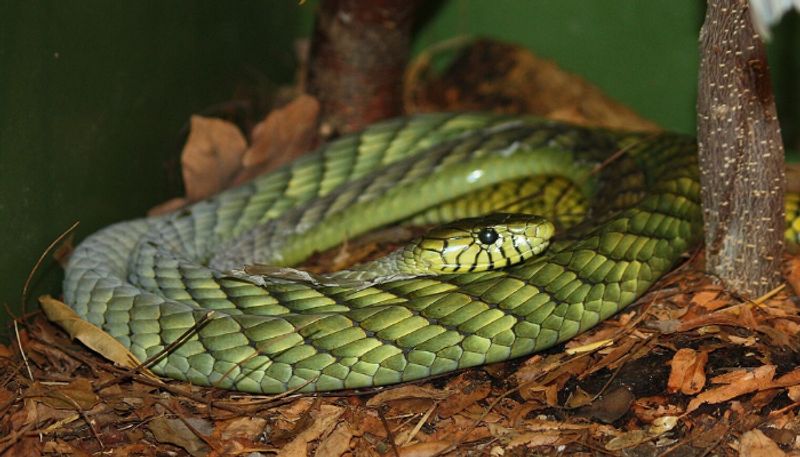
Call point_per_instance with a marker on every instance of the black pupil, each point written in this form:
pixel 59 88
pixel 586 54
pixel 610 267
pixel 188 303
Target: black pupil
pixel 488 235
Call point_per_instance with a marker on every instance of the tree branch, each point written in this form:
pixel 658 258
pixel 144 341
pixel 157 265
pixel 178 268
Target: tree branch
pixel 741 153
pixel 359 51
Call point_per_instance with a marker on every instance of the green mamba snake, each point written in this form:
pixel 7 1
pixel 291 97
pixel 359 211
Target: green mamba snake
pixel 149 281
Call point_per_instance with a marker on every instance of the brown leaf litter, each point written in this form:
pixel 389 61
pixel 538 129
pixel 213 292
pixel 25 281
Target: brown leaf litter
pixel 645 391
pixel 687 370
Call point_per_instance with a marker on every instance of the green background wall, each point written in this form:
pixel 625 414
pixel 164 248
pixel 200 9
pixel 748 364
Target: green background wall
pixel 94 95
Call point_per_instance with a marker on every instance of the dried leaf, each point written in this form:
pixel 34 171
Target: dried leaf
pixel 648 409
pixel 211 156
pixel 324 420
pixel 704 296
pixel 610 407
pixel 405 392
pixel 296 409
pixel 786 326
pixel 240 427
pixel 590 347
pixel 5 396
pixel 64 250
pixel 426 449
pixel 764 397
pixel 59 447
pixel 793 273
pixel 552 367
pixel 88 334
pixel 578 398
pixel 617 355
pixel 457 403
pixel 662 425
pixel 175 431
pixel 720 317
pixel 284 135
pixel 794 393
pixel 738 382
pixel 710 300
pixel 336 443
pixel 755 443
pixel 533 439
pixel 791 378
pixel 688 371
pixel 628 440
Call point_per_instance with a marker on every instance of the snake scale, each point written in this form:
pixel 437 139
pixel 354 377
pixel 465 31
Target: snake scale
pixel 149 281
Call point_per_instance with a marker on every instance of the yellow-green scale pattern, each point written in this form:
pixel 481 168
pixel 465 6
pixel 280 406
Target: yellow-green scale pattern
pixel 147 282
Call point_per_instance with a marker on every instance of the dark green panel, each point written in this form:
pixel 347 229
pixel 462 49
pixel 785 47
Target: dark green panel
pixel 641 52
pixel 784 59
pixel 93 98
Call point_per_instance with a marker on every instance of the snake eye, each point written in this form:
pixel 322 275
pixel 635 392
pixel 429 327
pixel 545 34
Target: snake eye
pixel 488 235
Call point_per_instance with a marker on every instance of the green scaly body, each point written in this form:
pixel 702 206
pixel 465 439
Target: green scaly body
pixel 148 281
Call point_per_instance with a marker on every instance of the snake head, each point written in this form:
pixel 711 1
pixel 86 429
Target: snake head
pixel 483 243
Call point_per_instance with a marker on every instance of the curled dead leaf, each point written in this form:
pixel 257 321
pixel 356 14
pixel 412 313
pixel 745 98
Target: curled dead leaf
pixel 240 427
pixel 737 383
pixel 88 334
pixel 793 393
pixel 211 156
pixel 648 409
pixel 627 440
pixel 406 392
pixel 324 420
pixel 285 134
pixel 457 403
pixel 610 406
pixel 175 431
pixel 755 443
pixel 687 374
pixel 335 443
pixel 533 439
pixel 426 449
pixel 793 273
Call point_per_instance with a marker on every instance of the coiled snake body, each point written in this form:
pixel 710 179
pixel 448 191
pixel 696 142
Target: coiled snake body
pixel 148 281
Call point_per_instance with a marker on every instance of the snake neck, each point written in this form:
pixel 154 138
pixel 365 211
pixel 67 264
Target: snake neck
pixel 399 264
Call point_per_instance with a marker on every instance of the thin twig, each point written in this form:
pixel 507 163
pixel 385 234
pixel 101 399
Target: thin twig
pixel 420 423
pixel 29 279
pixel 188 425
pixel 22 351
pixel 82 414
pixel 389 433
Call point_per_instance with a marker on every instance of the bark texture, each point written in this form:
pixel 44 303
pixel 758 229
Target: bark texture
pixel 359 51
pixel 741 153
